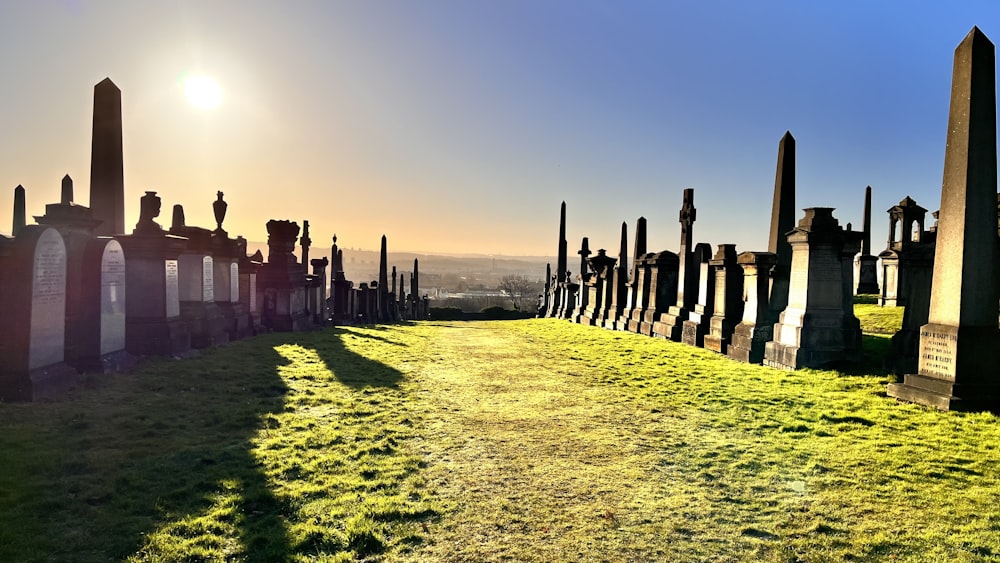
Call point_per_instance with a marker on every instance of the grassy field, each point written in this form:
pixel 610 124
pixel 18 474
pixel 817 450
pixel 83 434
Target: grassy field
pixel 531 440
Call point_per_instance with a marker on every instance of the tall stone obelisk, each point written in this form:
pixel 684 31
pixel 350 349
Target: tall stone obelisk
pixel 867 264
pixel 107 172
pixel 19 215
pixel 555 299
pixel 383 283
pixel 959 360
pixel 782 222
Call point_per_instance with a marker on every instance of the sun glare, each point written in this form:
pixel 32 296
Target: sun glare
pixel 202 91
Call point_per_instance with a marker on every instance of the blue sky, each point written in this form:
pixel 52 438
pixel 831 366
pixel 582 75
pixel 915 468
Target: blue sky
pixel 460 126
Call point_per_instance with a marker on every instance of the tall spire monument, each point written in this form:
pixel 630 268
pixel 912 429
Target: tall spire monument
pixel 959 352
pixel 107 171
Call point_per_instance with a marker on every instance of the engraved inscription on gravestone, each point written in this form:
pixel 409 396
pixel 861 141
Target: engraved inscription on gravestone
pixel 799 280
pixel 112 298
pixel 172 291
pixel 938 349
pixel 234 283
pixel 48 301
pixel 207 280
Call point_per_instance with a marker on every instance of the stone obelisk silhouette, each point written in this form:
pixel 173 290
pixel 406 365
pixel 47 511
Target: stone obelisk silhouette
pixel 107 175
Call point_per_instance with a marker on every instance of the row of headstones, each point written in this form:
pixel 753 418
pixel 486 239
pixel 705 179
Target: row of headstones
pixel 741 305
pixel 948 278
pixel 76 303
pixel 374 302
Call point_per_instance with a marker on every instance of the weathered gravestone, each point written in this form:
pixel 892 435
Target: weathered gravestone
pixel 153 324
pixel 755 328
pixel 196 284
pixel 959 364
pixel 249 267
pixel 697 323
pixel 658 272
pixel 596 286
pixel 583 294
pixel 818 326
pixel 728 307
pixel 670 324
pixel 95 288
pixel 33 323
pixel 283 281
pixel 618 288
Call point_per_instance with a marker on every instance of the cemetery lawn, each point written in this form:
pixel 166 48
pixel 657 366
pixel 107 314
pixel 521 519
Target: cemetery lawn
pixel 534 440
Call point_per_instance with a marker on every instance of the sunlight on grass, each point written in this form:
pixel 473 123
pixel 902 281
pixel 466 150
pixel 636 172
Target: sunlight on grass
pixel 534 440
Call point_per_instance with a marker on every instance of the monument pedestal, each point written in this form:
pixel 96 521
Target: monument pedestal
pixel 748 342
pixel 153 324
pixel 957 369
pixel 867 275
pixel 671 323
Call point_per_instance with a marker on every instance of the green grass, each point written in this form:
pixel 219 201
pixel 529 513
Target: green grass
pixel 879 320
pixel 483 441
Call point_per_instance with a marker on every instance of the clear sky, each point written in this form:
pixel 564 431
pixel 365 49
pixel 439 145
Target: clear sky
pixel 460 126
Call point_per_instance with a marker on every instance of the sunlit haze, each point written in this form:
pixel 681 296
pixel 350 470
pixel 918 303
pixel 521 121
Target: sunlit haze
pixel 455 126
pixel 202 91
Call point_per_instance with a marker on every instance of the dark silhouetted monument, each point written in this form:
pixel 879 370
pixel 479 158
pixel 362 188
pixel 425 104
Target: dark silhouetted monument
pixel 867 264
pixel 671 323
pixel 107 175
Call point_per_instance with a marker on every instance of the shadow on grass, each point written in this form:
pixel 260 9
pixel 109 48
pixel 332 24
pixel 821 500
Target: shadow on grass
pixel 351 368
pixel 131 456
pixel 874 350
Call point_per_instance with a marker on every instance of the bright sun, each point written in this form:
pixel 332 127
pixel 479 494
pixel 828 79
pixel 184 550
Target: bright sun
pixel 202 91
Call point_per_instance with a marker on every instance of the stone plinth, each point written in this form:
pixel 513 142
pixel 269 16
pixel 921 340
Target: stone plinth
pixel 153 324
pixel 755 328
pixel 815 329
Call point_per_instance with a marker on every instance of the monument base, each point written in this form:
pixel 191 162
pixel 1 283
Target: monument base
pixel 207 325
pixel 671 324
pixel 112 362
pixel 969 354
pixel 693 331
pixel 157 337
pixel 748 343
pixel 719 335
pixel 40 383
